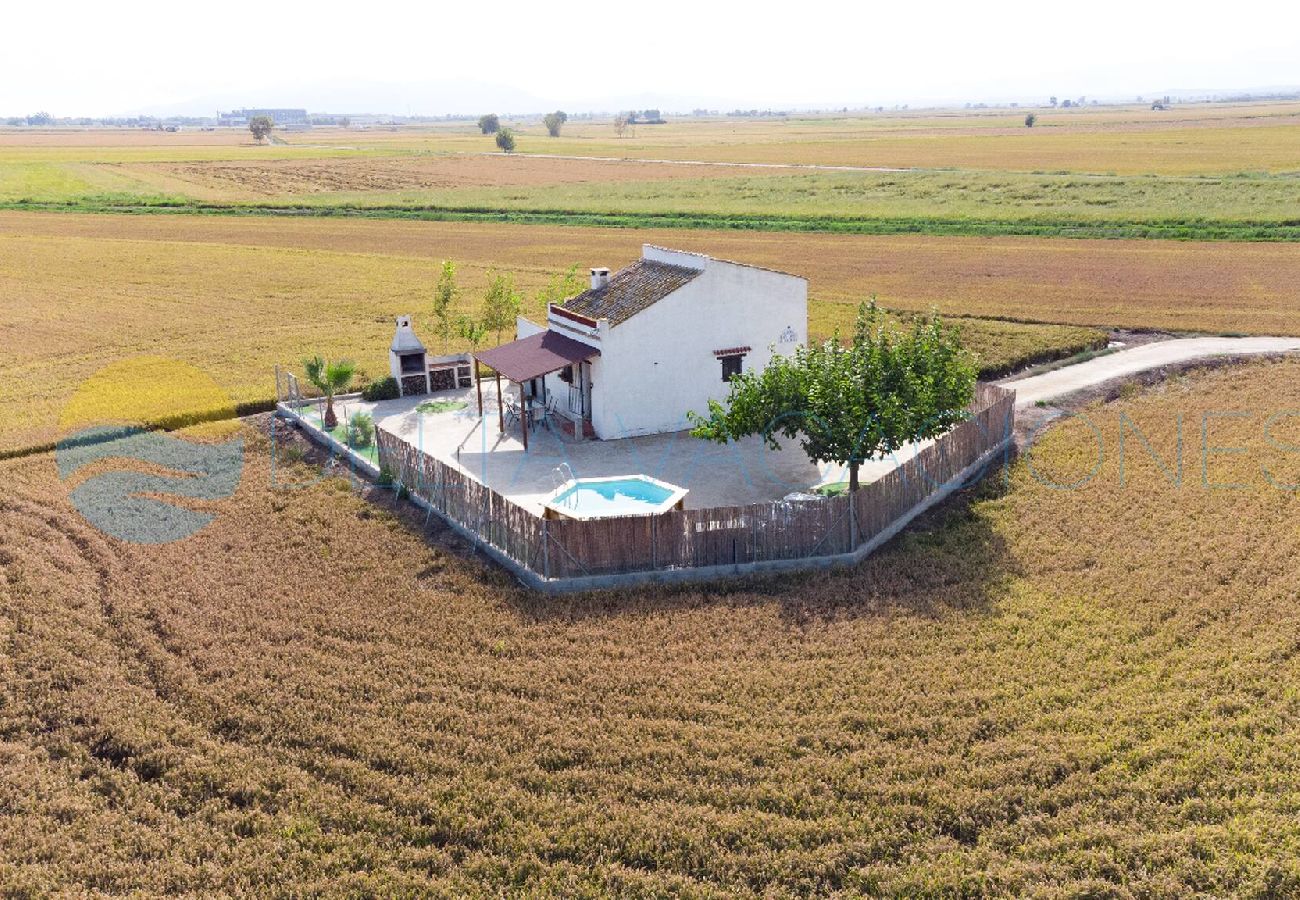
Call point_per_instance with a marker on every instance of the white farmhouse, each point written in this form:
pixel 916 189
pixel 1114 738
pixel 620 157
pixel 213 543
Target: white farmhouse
pixel 659 338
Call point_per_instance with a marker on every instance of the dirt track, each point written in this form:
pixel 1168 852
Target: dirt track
pixel 1068 379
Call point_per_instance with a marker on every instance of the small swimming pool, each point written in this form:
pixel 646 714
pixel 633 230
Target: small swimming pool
pixel 624 495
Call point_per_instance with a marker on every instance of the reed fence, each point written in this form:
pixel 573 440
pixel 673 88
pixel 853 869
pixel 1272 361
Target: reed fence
pixel 555 550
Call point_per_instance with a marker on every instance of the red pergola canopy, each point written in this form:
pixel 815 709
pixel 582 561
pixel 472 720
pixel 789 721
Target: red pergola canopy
pixel 536 355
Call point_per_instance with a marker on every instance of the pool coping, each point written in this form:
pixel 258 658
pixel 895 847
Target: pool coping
pixel 677 495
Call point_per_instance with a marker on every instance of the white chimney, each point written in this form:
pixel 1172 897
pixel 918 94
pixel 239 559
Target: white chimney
pixel 599 277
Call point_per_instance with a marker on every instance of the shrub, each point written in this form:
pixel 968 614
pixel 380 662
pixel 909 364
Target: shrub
pixel 361 430
pixel 506 140
pixel 385 388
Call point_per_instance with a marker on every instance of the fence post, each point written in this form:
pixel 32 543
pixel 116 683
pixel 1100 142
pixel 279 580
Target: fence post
pixel 853 519
pixel 654 543
pixel 546 550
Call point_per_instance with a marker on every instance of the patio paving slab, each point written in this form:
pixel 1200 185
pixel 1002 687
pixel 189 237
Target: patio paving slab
pixel 734 474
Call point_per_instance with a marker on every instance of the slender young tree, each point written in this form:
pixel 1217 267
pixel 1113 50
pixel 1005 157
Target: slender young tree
pixel 849 404
pixel 445 293
pixel 471 330
pixel 501 303
pixel 560 288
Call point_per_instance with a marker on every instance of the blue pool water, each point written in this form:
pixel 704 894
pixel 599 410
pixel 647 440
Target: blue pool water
pixel 624 497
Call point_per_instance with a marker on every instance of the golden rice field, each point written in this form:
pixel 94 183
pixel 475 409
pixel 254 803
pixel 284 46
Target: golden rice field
pixel 314 695
pixel 236 297
pixel 1217 287
pixel 307 697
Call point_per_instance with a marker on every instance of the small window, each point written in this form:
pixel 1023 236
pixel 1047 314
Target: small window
pixel 731 366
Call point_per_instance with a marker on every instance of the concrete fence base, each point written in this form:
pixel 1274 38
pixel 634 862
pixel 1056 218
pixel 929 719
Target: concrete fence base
pixel 685 574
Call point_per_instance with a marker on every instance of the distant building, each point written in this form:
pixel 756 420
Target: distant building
pixel 238 118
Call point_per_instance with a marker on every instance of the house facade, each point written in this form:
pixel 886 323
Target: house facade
pixel 662 337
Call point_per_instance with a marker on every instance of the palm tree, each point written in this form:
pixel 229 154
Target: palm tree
pixel 329 380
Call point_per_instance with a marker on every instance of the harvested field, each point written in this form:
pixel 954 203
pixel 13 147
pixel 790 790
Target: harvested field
pixel 482 182
pixel 1164 151
pixel 1200 171
pixel 282 178
pixel 235 297
pixel 39 138
pixel 307 697
pixel 1188 139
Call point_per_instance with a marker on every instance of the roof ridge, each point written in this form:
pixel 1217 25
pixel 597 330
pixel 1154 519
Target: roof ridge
pixel 730 262
pixel 632 289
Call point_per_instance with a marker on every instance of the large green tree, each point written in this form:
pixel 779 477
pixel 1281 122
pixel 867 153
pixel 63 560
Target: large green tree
pixel 554 122
pixel 849 403
pixel 261 127
pixel 489 124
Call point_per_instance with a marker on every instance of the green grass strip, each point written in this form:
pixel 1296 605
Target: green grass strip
pixel 1189 230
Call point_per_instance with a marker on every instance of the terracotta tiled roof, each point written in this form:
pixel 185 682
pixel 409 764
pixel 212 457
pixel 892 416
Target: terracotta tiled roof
pixel 631 290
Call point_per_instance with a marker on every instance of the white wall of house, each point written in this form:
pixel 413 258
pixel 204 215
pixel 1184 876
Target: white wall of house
pixel 660 363
pixel 526 327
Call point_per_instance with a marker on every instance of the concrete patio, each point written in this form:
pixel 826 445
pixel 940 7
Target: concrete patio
pixel 716 475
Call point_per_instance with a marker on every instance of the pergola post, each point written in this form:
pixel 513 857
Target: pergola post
pixel 478 386
pixel 501 406
pixel 523 416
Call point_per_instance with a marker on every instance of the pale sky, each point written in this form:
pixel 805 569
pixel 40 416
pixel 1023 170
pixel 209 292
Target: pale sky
pixel 106 58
